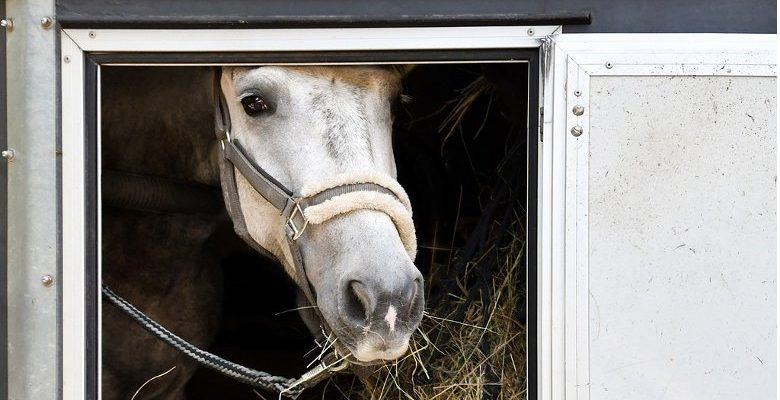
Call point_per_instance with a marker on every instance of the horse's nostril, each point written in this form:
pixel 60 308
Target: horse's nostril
pixel 359 301
pixel 381 301
pixel 417 289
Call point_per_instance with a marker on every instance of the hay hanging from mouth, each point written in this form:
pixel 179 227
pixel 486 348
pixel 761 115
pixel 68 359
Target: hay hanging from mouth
pixel 471 344
pixel 456 354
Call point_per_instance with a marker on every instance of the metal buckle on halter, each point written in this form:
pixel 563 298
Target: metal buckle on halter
pixel 227 137
pixel 297 232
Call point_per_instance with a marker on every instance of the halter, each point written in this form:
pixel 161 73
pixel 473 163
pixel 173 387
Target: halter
pixel 314 205
pixel 308 206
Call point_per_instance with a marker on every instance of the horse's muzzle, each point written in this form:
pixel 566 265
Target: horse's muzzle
pixel 382 310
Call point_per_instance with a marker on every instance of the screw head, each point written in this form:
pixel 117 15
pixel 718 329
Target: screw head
pixel 8 154
pixel 576 131
pixel 7 23
pixel 578 110
pixel 578 93
pixel 92 34
pixel 531 31
pixel 47 280
pixel 46 22
pixel 608 65
pixel 66 59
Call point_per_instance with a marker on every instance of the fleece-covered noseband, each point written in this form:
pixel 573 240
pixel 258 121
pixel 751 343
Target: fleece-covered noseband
pixel 313 204
pixel 353 191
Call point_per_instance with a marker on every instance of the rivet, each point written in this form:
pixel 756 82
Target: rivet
pixel 8 154
pixel 92 34
pixel 608 65
pixel 7 23
pixel 576 131
pixel 531 31
pixel 66 59
pixel 578 110
pixel 577 93
pixel 47 280
pixel 46 22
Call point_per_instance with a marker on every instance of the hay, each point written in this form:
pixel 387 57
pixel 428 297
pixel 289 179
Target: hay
pixel 468 346
pixel 150 380
pixel 463 104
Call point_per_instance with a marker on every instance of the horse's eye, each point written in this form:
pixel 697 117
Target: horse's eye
pixel 253 105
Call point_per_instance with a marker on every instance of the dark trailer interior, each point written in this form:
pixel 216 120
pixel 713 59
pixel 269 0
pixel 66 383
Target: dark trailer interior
pixel 461 142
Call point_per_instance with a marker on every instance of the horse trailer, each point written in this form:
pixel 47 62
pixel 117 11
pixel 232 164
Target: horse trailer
pixel 443 199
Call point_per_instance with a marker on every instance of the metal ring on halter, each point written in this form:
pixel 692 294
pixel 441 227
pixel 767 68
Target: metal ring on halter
pixel 319 372
pixel 291 223
pixel 222 141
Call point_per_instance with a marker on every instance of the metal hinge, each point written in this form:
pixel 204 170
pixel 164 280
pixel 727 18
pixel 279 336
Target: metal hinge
pixel 546 60
pixel 544 75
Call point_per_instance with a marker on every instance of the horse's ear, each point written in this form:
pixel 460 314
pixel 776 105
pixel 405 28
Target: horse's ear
pixel 221 115
pixel 399 70
pixel 220 70
pixel 403 70
pixel 217 86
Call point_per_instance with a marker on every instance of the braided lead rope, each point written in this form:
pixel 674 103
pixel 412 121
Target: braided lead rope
pixel 287 387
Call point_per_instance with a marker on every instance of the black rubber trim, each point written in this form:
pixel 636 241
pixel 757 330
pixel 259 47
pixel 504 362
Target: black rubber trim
pixel 314 57
pixel 712 16
pixel 532 203
pixel 177 21
pixel 92 297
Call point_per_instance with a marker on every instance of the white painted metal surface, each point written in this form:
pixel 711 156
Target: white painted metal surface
pixel 640 319
pixel 681 237
pixel 551 285
pixel 204 40
pixel 73 222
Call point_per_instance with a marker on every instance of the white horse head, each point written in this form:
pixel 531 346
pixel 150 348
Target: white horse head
pixel 312 128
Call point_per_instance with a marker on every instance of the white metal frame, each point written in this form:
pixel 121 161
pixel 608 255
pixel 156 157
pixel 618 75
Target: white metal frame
pixel 324 39
pixel 563 232
pixel 75 42
pixel 73 221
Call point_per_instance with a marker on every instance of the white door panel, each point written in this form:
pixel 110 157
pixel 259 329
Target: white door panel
pixel 666 252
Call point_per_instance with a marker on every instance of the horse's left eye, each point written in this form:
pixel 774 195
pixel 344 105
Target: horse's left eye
pixel 254 105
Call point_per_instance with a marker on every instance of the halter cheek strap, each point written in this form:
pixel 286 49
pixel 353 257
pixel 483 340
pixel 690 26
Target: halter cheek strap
pixel 314 205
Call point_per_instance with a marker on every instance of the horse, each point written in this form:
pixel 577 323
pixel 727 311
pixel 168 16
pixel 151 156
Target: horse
pixel 320 139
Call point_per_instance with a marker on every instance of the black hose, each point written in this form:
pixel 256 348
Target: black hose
pixel 158 194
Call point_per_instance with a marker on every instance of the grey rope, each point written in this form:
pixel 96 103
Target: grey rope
pixel 261 379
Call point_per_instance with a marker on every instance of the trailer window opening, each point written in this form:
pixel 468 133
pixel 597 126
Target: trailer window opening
pixel 462 137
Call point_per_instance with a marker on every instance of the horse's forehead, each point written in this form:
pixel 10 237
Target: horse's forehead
pixel 368 78
pixel 365 77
